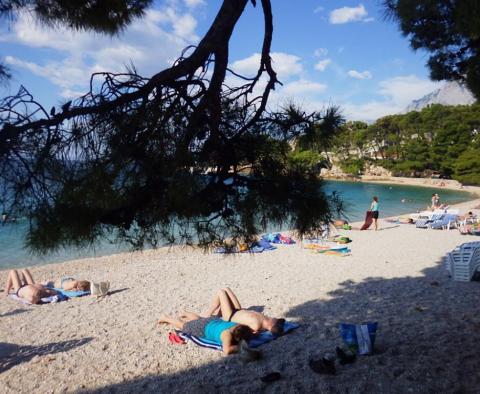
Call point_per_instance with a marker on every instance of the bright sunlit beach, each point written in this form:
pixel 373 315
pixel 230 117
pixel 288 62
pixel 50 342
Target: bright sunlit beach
pixel 239 196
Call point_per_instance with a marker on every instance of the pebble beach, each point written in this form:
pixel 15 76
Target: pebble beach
pixel 427 342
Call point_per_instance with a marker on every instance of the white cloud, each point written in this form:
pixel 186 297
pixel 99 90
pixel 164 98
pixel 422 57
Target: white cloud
pixel 150 43
pixel 185 26
pixel 404 89
pixel 349 14
pixel 319 52
pixel 284 64
pixel 194 3
pixel 303 87
pixel 360 75
pixel 322 64
pixel 395 94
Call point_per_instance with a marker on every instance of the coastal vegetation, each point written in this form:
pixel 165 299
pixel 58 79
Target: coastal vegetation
pixel 439 141
pixel 189 155
pixel 193 153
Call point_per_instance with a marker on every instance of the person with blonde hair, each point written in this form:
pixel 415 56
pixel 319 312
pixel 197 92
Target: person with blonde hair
pixel 69 284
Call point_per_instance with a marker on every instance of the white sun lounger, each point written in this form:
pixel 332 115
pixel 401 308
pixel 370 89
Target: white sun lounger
pixel 463 261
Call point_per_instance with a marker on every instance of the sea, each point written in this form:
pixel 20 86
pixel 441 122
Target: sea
pixel 394 200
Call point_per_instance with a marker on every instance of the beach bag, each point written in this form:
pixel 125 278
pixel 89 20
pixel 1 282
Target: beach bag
pixel 359 338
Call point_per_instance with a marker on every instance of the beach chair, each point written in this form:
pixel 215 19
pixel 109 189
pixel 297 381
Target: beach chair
pixel 464 261
pixel 446 222
pixel 424 223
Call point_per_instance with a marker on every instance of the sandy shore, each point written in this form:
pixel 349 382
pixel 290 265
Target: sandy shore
pixel 427 341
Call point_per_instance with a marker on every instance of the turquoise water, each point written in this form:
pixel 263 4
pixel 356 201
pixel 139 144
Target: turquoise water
pixel 393 199
pixel 356 196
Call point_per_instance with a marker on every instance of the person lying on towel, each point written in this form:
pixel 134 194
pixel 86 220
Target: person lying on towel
pixel 22 283
pixel 225 304
pixel 212 328
pixel 69 284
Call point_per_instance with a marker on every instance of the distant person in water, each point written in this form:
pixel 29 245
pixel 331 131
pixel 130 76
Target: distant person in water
pixel 23 285
pixel 225 304
pixel 229 334
pixel 437 201
pixel 374 209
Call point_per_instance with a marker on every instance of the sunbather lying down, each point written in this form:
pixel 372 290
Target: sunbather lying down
pixel 225 304
pixel 212 328
pixel 69 284
pixel 22 283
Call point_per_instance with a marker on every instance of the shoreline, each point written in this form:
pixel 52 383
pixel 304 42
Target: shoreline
pixel 473 191
pixel 433 183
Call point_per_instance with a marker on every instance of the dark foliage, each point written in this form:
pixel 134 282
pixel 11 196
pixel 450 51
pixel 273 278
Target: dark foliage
pixel 449 30
pixel 177 157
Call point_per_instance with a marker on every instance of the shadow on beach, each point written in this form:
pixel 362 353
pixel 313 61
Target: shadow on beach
pixel 14 312
pixel 12 354
pixel 427 342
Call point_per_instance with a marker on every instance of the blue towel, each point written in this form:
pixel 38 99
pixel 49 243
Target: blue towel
pixel 71 293
pixel 272 237
pixel 256 341
pixel 263 243
pixel 46 300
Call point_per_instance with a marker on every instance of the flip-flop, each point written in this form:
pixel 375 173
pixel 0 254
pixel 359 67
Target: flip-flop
pixel 174 338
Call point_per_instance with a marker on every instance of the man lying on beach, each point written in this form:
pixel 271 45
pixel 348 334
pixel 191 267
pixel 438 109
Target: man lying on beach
pixel 212 328
pixel 25 287
pixel 225 304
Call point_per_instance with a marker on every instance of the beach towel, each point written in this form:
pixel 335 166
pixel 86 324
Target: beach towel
pixel 263 243
pixel 256 341
pixel 277 238
pixel 368 220
pixel 46 300
pixel 255 247
pixel 72 294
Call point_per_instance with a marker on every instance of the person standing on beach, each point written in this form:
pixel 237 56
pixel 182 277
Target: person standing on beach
pixel 374 209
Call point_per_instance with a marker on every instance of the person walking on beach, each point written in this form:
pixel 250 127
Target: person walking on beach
pixel 374 209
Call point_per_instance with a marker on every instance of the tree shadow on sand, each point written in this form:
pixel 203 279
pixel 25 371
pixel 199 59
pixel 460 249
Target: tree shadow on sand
pixel 427 342
pixel 12 354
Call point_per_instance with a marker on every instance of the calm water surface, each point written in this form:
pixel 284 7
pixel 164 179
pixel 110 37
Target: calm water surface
pixel 357 197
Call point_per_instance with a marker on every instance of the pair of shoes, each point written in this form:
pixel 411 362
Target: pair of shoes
pixel 99 289
pixel 247 354
pixel 324 366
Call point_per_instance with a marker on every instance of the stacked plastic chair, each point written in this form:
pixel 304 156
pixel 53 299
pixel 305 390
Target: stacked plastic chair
pixel 463 261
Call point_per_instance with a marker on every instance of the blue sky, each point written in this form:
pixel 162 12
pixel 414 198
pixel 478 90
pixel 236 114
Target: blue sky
pixel 325 52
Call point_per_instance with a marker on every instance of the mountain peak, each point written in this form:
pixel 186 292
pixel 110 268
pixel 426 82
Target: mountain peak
pixel 452 93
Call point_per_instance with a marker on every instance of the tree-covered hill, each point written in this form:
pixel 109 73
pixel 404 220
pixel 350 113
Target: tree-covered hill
pixel 439 140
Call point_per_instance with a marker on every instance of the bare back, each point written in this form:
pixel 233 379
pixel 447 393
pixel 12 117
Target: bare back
pixel 35 292
pixel 248 318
